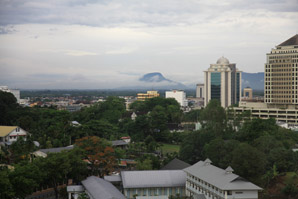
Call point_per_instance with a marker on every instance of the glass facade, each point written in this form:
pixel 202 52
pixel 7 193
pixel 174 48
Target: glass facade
pixel 215 85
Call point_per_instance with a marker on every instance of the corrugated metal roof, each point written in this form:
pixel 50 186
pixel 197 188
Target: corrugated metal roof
pixel 56 150
pixel 157 178
pixel 114 178
pixel 219 177
pixel 5 130
pixel 119 143
pixel 99 188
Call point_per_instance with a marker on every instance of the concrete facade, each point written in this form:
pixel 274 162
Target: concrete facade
pixel 149 94
pixel 281 73
pixel 222 82
pixel 200 91
pixel 207 181
pixel 179 96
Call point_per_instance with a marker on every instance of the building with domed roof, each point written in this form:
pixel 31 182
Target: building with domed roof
pixel 223 82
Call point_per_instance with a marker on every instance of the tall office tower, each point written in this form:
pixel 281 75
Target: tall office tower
pixel 281 79
pixel 200 91
pixel 223 82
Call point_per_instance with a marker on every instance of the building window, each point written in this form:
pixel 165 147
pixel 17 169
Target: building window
pixel 215 85
pixel 229 193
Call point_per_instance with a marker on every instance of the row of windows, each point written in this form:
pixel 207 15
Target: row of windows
pixel 281 87
pixel 283 56
pixel 268 66
pixel 155 191
pixel 203 182
pixel 283 61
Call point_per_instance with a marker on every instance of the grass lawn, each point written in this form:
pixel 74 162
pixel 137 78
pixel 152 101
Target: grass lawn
pixel 170 148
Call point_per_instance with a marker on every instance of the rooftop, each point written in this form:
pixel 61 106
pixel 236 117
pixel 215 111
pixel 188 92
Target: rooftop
pixel 290 42
pixel 156 178
pixel 175 164
pixel 220 178
pixel 56 150
pixel 99 188
pixel 119 143
pixel 5 130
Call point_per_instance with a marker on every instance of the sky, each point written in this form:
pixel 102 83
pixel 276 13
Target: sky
pixel 90 44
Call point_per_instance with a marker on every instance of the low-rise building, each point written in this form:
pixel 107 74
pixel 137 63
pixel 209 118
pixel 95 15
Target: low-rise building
pixel 95 188
pixel 148 184
pixel 288 114
pixel 10 134
pixel 149 94
pixel 206 181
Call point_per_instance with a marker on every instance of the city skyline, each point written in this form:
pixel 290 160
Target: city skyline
pixel 110 44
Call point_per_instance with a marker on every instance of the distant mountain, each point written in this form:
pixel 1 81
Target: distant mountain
pixel 253 80
pixel 154 77
pixel 155 81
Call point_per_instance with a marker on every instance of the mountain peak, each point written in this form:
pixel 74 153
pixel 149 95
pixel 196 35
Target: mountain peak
pixel 153 77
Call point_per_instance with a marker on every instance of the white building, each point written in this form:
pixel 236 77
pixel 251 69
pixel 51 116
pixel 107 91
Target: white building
pixel 223 82
pixel 153 184
pixel 200 91
pixel 206 181
pixel 179 96
pixel 9 134
pixel 15 92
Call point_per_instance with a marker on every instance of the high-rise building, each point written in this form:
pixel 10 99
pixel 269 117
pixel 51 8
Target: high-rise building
pixel 223 82
pixel 281 79
pixel 149 94
pixel 281 82
pixel 179 96
pixel 200 91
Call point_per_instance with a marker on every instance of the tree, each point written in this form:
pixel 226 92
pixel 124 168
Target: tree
pixel 6 188
pixel 25 179
pixel 57 168
pixel 213 118
pixel 8 104
pixel 145 164
pixel 248 162
pixel 101 128
pixel 99 153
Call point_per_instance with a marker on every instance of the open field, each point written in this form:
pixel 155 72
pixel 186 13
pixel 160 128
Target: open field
pixel 170 148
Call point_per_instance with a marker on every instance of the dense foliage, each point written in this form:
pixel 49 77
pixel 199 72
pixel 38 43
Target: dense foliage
pixel 256 149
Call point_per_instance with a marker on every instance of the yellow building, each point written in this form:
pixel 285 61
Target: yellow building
pixel 149 94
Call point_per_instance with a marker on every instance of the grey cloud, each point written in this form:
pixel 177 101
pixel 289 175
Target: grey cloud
pixel 7 30
pixel 117 12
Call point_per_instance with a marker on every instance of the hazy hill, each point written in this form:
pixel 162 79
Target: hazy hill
pixel 253 80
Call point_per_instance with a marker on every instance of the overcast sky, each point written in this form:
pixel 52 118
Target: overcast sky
pixel 80 44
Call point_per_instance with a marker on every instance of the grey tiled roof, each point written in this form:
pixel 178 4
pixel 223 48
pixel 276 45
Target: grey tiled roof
pixel 56 150
pixel 99 188
pixel 175 164
pixel 219 177
pixel 119 143
pixel 114 178
pixel 156 178
pixel 290 42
